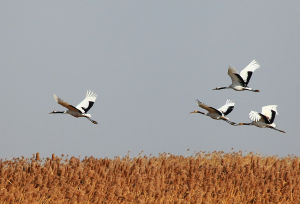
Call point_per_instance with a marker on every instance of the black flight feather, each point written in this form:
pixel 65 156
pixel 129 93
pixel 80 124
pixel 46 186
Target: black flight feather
pixel 240 79
pixel 229 109
pixel 91 103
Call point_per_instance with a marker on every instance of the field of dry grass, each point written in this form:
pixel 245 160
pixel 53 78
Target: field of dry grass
pixel 203 178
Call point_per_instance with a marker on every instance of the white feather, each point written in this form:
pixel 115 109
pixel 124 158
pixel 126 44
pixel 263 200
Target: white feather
pixel 224 108
pixel 254 116
pixel 251 67
pixel 235 80
pixel 90 97
pixel 55 98
pixel 266 110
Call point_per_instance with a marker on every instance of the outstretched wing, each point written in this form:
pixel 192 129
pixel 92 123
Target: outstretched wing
pixel 235 77
pixel 88 102
pixel 254 116
pixel 246 73
pixel 267 110
pixel 227 108
pixel 65 104
pixel 208 108
pixel 270 112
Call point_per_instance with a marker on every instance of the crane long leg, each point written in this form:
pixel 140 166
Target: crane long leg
pixel 276 129
pixel 228 121
pixel 254 90
pixel 231 123
pixel 93 121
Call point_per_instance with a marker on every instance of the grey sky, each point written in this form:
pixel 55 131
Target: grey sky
pixel 148 62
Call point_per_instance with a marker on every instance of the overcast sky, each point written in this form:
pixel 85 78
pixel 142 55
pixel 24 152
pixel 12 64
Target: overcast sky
pixel 148 62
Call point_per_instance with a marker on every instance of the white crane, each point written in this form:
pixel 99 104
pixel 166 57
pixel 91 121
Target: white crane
pixel 217 114
pixel 240 81
pixel 265 119
pixel 81 109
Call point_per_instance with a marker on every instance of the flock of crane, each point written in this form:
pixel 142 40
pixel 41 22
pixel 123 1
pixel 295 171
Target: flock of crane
pixel 265 119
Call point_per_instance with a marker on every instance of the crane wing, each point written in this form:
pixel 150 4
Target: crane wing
pixel 246 73
pixel 271 120
pixel 267 110
pixel 208 108
pixel 88 102
pixel 254 116
pixel 65 104
pixel 270 112
pixel 227 108
pixel 235 77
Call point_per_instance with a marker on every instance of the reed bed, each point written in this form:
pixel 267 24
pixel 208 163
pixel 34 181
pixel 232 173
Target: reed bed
pixel 215 177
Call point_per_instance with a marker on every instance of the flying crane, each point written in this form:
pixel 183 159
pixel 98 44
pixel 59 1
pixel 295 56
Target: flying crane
pixel 217 114
pixel 81 109
pixel 265 119
pixel 240 81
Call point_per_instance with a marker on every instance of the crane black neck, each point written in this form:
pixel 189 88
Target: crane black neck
pixel 58 111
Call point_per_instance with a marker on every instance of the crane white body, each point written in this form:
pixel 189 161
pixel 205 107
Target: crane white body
pixel 217 114
pixel 81 109
pixel 241 80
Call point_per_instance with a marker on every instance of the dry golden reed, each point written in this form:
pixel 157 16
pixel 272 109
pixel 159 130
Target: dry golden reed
pixel 203 178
